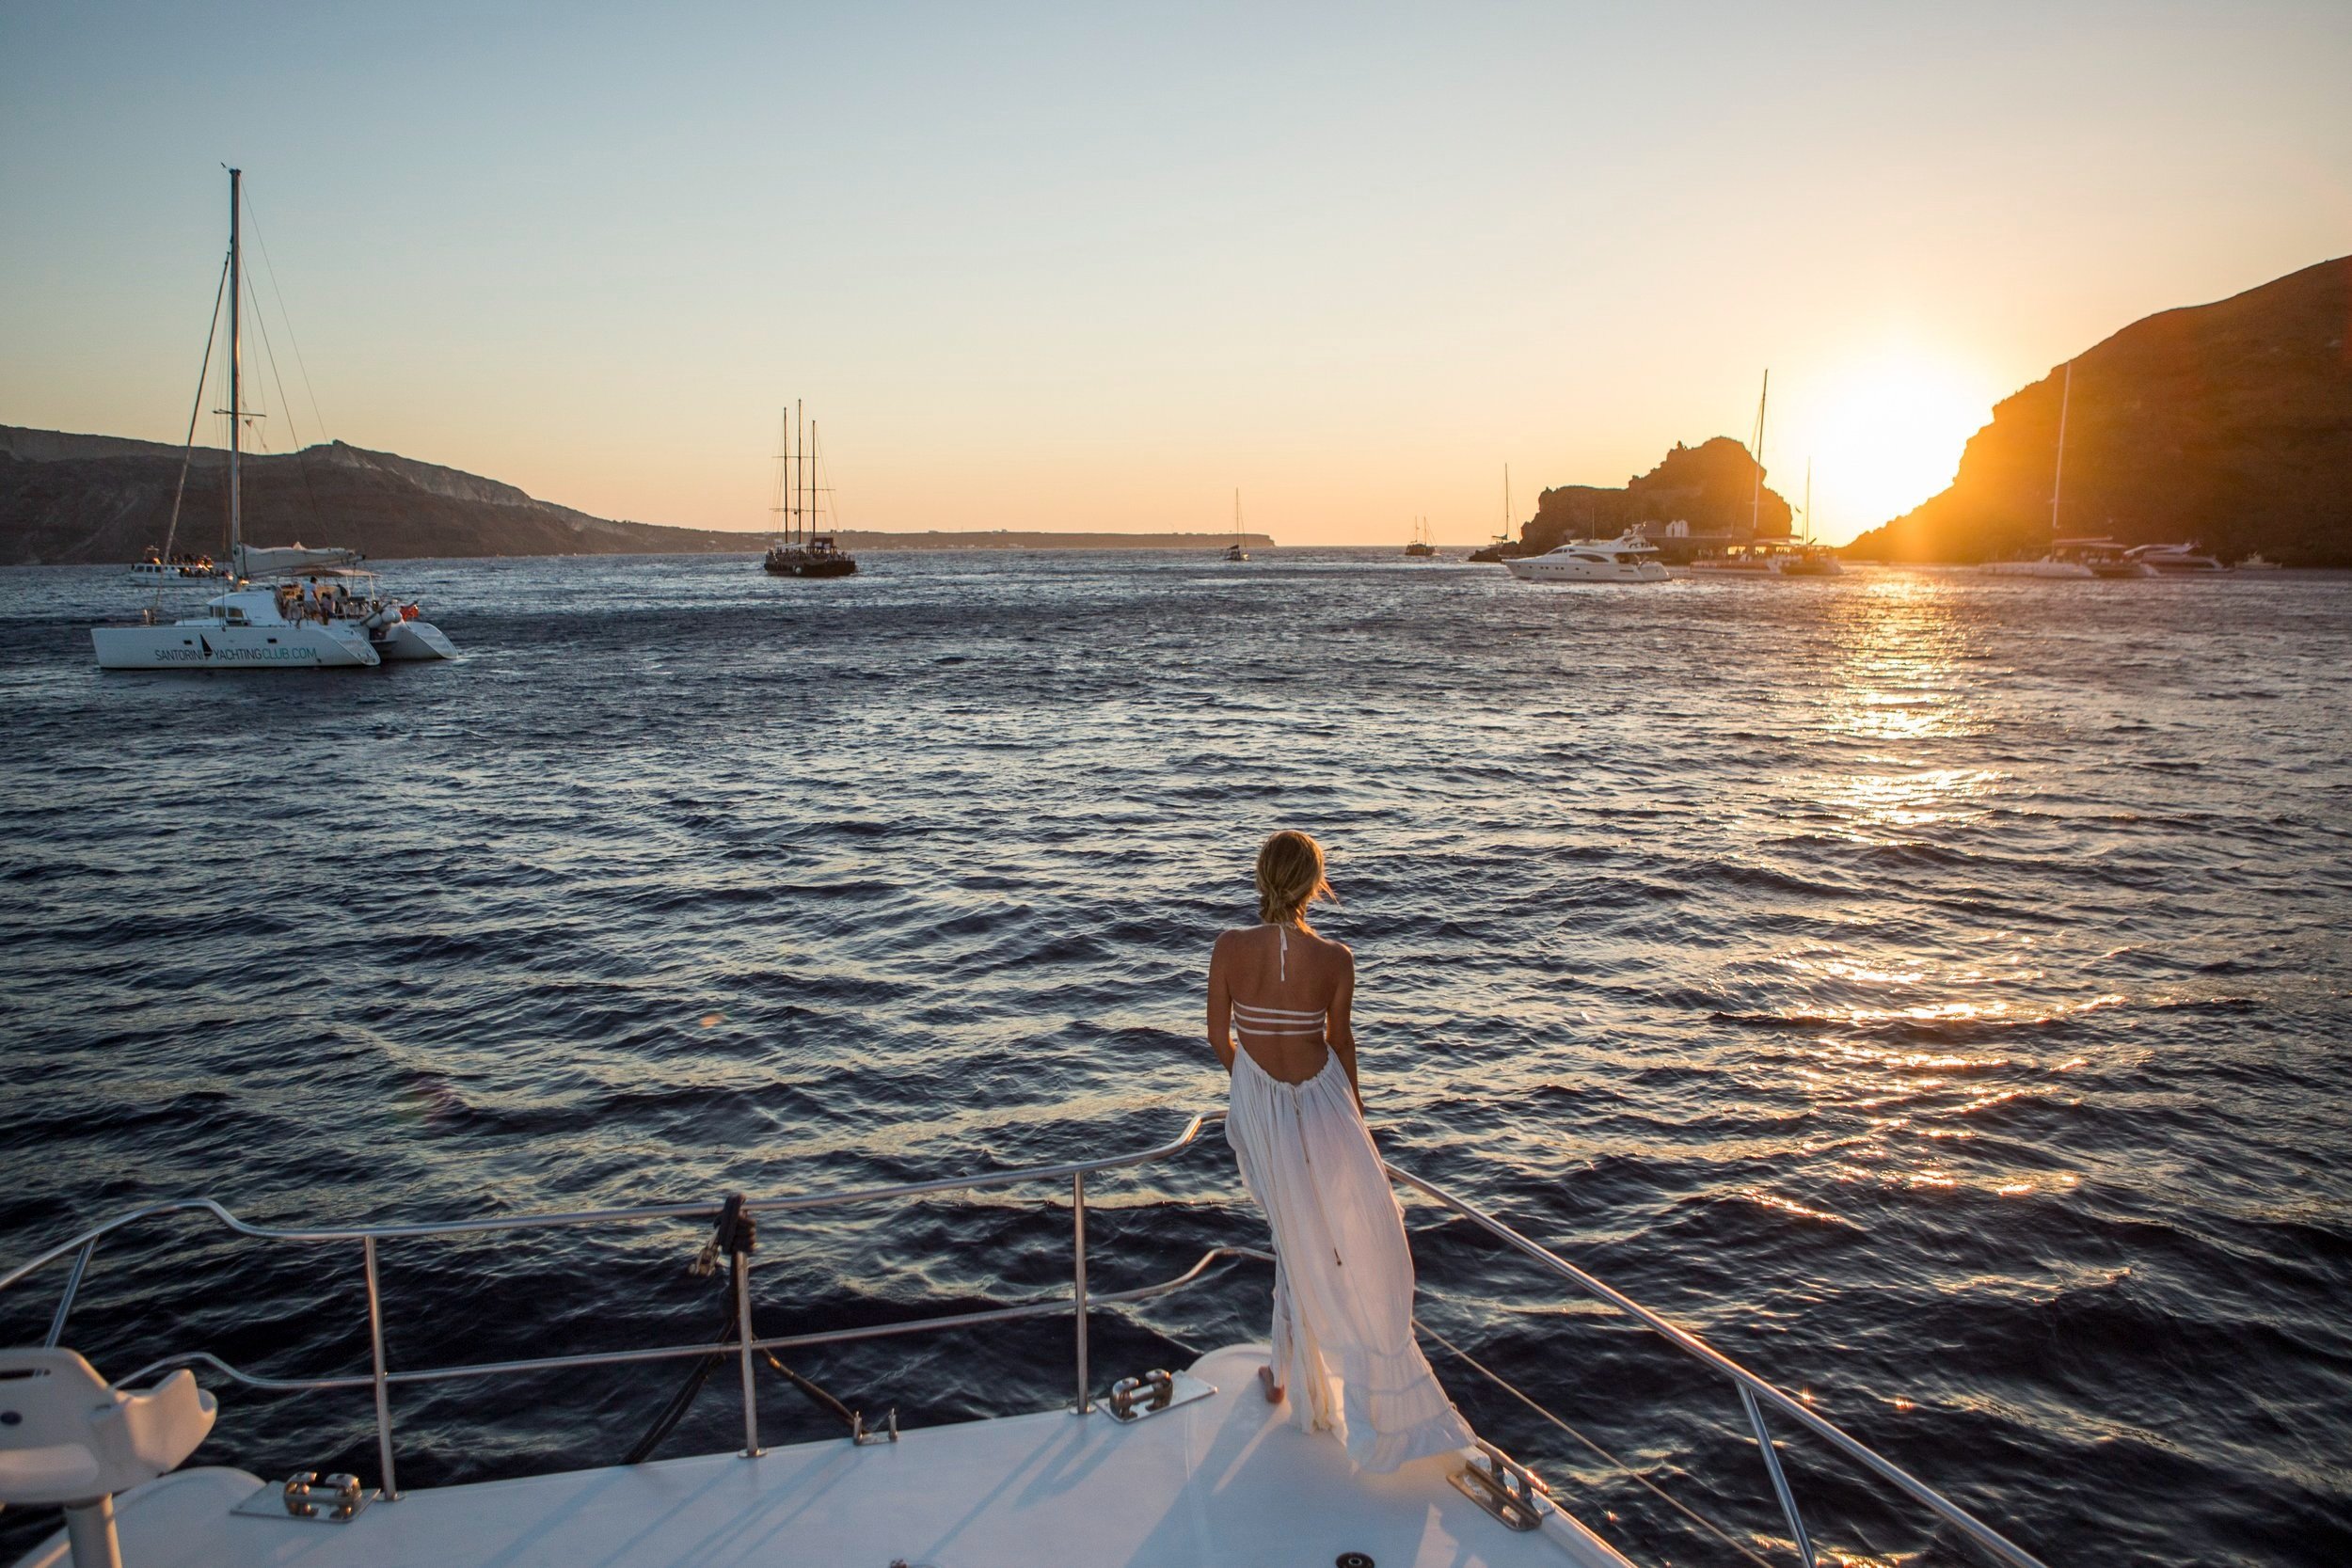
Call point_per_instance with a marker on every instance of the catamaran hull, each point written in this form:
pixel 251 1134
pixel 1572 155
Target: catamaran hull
pixel 413 640
pixel 219 647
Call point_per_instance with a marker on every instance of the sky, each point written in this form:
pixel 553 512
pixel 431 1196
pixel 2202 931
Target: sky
pixel 1092 266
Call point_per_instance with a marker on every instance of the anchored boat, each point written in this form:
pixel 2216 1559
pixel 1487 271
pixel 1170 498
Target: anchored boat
pixel 798 550
pixel 1162 1468
pixel 288 623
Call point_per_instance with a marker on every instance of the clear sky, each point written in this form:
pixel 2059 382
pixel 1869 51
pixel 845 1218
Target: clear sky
pixel 1097 265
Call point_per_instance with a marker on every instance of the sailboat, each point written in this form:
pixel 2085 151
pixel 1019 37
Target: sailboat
pixel 797 548
pixel 2063 559
pixel 1234 551
pixel 324 612
pixel 1421 548
pixel 1810 559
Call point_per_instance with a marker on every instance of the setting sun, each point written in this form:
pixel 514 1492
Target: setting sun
pixel 1883 436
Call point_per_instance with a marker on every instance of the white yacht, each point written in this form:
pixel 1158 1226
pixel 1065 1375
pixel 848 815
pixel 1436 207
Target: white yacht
pixel 1185 1468
pixel 309 618
pixel 1627 558
pixel 2176 559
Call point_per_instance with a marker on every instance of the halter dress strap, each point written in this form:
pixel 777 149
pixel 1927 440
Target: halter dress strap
pixel 1278 1021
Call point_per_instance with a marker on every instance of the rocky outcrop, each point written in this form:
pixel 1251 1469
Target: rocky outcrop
pixel 2228 424
pixel 1711 488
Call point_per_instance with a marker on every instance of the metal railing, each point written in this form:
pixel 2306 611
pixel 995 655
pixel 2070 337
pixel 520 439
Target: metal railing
pixel 1080 1303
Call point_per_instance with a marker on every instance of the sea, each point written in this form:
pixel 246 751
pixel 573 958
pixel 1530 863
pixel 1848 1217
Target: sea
pixel 1933 990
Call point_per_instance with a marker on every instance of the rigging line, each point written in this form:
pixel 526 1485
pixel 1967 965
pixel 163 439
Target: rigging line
pixel 308 387
pixel 285 404
pixel 187 450
pixel 1629 1471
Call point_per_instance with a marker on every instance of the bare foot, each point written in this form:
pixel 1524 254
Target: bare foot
pixel 1272 1389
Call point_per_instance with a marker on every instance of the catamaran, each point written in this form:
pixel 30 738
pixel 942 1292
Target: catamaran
pixel 288 623
pixel 1188 1468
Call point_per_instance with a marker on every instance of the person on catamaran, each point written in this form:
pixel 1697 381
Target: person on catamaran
pixel 1343 1352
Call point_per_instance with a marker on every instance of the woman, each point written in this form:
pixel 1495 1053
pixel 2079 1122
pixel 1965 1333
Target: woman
pixel 1344 1347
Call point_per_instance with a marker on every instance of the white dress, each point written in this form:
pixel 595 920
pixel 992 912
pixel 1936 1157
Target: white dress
pixel 1344 1346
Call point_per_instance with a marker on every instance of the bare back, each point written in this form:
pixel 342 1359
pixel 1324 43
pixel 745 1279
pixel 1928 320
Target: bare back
pixel 1286 993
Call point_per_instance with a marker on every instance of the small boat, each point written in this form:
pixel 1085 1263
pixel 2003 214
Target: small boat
pixel 2258 563
pixel 1234 551
pixel 1627 558
pixel 1421 548
pixel 2176 561
pixel 1808 558
pixel 798 549
pixel 288 623
pixel 153 569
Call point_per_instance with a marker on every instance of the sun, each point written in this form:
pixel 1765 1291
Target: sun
pixel 1885 433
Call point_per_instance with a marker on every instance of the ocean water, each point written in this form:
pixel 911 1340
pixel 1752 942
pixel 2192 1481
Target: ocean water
pixel 1934 991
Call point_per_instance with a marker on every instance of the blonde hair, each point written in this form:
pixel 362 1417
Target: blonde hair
pixel 1290 876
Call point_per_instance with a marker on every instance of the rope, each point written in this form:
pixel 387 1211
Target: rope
pixel 1620 1465
pixel 187 450
pixel 732 1237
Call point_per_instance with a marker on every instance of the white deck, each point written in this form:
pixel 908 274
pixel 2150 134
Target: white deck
pixel 1224 1481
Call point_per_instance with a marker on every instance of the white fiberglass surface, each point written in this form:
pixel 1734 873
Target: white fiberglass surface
pixel 1226 1480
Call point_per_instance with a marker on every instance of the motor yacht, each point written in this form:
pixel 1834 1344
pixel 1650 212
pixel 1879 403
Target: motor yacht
pixel 2176 559
pixel 1190 1467
pixel 154 570
pixel 1627 558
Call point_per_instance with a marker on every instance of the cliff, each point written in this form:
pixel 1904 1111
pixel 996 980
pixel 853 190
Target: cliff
pixel 2227 424
pixel 74 498
pixel 1711 487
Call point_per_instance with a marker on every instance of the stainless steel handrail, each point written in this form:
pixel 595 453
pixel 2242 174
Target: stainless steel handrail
pixel 381 1377
pixel 1751 1385
pixel 601 1216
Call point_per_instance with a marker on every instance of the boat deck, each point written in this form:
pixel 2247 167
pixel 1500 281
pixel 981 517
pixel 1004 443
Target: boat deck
pixel 1223 1481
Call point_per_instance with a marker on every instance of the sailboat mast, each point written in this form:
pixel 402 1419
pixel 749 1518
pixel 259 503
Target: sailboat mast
pixel 236 367
pixel 784 448
pixel 1808 500
pixel 1755 496
pixel 815 451
pixel 2058 475
pixel 800 470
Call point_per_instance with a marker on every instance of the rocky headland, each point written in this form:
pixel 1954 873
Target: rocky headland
pixel 2228 425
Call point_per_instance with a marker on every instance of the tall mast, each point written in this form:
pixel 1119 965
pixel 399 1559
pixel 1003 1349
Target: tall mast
pixel 784 448
pixel 236 367
pixel 1237 514
pixel 2058 475
pixel 799 472
pixel 816 448
pixel 1506 502
pixel 1808 500
pixel 1756 497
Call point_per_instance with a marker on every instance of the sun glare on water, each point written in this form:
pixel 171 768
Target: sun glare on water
pixel 1885 435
